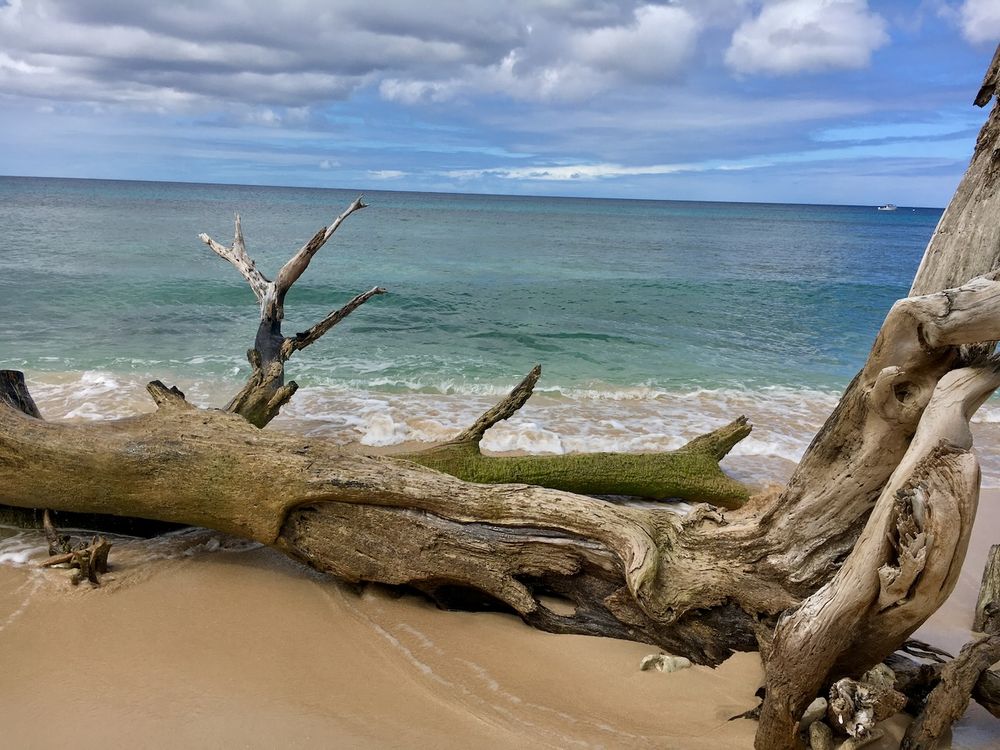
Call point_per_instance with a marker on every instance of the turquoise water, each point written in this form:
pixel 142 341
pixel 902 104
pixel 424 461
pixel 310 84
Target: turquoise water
pixel 653 320
pixel 601 292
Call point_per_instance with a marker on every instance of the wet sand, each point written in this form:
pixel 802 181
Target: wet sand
pixel 188 645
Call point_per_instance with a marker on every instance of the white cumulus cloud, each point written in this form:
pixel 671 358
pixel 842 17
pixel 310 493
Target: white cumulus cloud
pixel 794 36
pixel 980 20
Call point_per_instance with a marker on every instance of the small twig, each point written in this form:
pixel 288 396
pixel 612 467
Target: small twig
pixel 91 559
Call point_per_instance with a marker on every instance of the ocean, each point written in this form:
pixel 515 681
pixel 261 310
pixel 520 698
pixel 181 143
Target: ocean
pixel 653 320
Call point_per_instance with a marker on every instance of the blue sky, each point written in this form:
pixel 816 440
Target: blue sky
pixel 815 101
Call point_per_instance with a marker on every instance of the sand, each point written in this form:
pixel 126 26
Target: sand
pixel 197 641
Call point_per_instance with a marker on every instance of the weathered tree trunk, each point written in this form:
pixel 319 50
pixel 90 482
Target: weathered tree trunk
pixel 901 569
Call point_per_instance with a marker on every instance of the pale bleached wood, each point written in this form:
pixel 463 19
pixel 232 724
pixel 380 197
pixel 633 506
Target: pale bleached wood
pixel 966 242
pixel 237 255
pixel 921 521
pixel 298 263
pixel 265 391
pixel 987 618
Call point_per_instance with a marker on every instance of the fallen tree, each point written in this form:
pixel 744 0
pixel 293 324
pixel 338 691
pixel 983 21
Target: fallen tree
pixel 827 577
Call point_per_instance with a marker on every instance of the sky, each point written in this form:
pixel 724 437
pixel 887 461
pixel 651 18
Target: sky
pixel 803 101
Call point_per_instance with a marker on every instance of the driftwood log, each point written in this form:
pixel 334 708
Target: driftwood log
pixel 861 546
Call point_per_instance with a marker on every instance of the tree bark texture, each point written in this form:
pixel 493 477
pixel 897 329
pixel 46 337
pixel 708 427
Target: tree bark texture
pixel 949 699
pixel 900 435
pixel 987 619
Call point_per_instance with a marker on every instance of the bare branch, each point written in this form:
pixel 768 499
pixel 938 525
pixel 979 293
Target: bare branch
pixel 305 338
pixel 719 442
pixel 503 410
pixel 296 266
pixel 237 255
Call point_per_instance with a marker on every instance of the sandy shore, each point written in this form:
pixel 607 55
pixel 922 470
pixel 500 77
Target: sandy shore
pixel 191 645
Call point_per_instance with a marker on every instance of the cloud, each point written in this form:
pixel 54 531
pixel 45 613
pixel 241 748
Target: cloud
pixel 386 174
pixel 653 45
pixel 298 53
pixel 980 20
pixel 794 36
pixel 569 172
pixel 558 61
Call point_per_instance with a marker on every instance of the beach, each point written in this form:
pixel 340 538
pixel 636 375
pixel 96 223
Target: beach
pixel 202 641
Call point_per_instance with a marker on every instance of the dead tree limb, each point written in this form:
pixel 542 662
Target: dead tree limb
pixel 691 473
pixel 265 391
pixel 902 568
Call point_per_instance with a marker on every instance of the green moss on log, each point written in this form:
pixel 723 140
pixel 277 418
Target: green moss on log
pixel 689 473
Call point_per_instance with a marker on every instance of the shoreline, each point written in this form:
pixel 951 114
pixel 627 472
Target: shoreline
pixel 198 640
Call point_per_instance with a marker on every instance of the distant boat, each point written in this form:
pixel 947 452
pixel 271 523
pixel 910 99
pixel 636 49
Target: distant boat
pixel 887 207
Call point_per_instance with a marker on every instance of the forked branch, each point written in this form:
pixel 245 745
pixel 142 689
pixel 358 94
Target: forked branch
pixel 237 255
pixel 691 473
pixel 265 392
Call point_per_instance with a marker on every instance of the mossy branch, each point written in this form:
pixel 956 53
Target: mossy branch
pixel 690 473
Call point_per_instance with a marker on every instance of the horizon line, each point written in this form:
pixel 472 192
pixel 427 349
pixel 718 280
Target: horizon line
pixel 451 192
